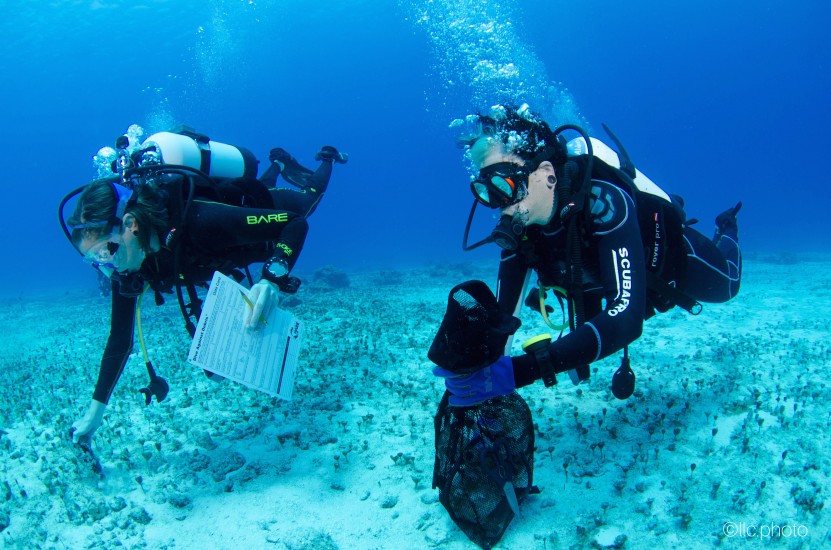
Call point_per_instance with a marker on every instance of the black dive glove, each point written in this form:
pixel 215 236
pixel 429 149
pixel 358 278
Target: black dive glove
pixel 547 364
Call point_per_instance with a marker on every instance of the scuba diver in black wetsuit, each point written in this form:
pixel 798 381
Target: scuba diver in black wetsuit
pixel 600 234
pixel 179 209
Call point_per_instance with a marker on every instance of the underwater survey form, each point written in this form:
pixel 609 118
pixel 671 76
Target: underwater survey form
pixel 264 359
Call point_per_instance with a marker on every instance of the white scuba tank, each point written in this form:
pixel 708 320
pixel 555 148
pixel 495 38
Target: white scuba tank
pixel 577 146
pixel 215 159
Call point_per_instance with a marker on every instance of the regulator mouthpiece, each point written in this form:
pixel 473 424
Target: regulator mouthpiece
pixel 509 231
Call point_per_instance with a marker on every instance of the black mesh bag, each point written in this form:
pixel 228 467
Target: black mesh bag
pixel 484 464
pixel 473 332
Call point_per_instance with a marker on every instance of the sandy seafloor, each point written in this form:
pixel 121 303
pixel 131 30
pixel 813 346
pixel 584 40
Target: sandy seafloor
pixel 726 440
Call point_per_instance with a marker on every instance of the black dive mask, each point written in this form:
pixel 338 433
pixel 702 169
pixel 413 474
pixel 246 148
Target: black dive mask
pixel 500 185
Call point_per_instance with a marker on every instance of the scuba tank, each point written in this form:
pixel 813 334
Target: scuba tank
pixel 577 146
pixel 188 148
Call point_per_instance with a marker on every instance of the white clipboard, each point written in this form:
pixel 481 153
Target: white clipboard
pixel 264 358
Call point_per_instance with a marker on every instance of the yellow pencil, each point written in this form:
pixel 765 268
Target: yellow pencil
pixel 247 301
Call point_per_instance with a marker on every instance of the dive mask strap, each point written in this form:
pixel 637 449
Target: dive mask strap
pixel 124 197
pixel 556 154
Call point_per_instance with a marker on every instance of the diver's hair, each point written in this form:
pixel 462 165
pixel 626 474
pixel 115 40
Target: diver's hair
pixel 480 148
pixel 519 130
pixel 95 204
pixel 98 203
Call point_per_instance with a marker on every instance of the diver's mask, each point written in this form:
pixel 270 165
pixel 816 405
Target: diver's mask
pixel 100 254
pixel 103 251
pixel 500 185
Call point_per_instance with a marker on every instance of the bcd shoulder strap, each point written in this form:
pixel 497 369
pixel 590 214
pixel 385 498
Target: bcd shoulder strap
pixel 623 177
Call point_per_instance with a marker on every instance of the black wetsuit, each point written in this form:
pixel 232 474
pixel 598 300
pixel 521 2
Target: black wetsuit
pixel 216 237
pixel 616 297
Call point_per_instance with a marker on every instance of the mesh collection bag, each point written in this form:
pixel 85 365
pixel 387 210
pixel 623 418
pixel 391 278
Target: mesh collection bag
pixel 484 465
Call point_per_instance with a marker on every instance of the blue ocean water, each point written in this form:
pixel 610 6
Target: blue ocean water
pixel 716 101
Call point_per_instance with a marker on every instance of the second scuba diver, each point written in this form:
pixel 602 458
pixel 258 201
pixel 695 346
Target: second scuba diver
pixel 179 209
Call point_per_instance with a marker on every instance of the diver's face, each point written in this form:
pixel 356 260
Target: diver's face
pixel 119 251
pixel 537 207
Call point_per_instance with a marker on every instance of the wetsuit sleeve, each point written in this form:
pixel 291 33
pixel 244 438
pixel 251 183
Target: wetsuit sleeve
pixel 619 250
pixel 214 227
pixel 119 344
pixel 513 274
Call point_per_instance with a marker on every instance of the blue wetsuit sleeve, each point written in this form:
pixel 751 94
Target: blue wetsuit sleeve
pixel 119 344
pixel 622 274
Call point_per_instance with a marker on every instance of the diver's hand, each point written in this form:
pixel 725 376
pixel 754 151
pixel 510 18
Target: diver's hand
pixel 492 381
pixel 262 295
pixel 86 426
pixel 278 154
